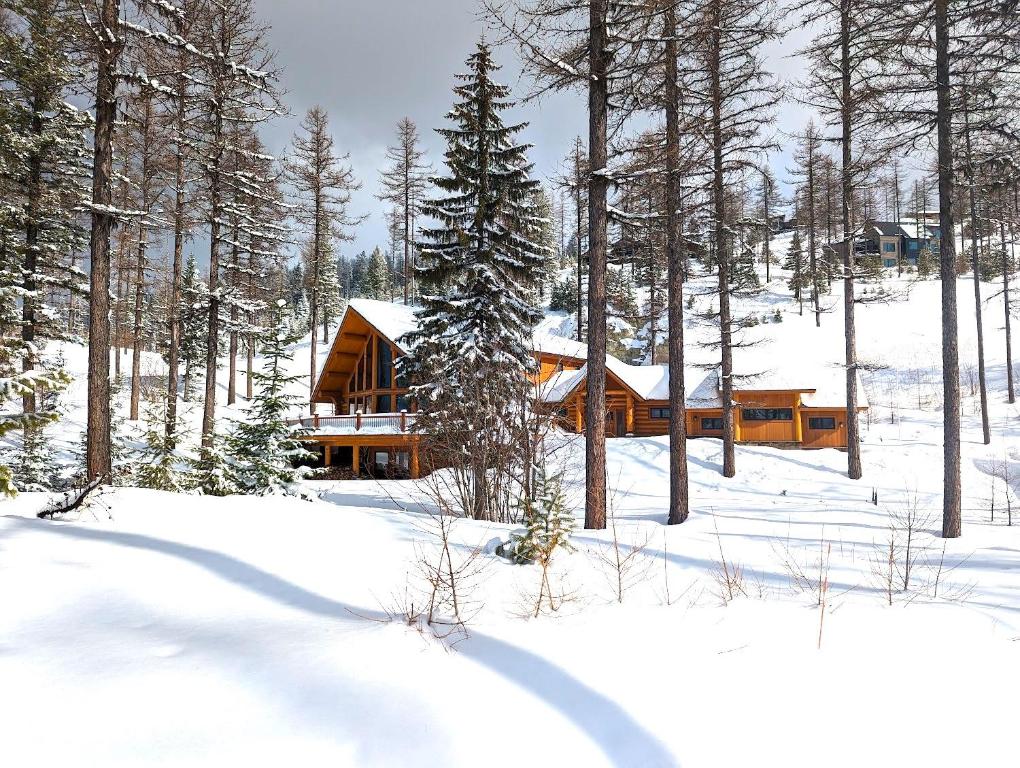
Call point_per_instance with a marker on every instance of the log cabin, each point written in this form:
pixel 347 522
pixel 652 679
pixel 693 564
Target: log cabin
pixel 370 428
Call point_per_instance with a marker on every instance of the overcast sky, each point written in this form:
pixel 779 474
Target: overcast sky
pixel 369 63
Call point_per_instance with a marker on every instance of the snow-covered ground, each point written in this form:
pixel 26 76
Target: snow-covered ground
pixel 169 630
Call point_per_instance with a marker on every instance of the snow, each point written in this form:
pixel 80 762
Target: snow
pixel 161 630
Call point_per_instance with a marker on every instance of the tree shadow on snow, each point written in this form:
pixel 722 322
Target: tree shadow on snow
pixel 621 738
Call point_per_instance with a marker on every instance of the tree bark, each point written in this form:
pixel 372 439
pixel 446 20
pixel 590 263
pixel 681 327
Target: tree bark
pixel 1007 266
pixel 174 317
pixel 30 263
pixel 986 431
pixel 595 405
pixel 853 436
pixel 679 502
pixel 951 492
pixel 97 445
pixel 721 245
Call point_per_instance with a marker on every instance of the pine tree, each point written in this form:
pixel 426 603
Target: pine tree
pixel 213 470
pixel 263 447
pixel 548 523
pixel 192 318
pixel 43 164
pixel 799 279
pixel 160 464
pixel 478 269
pixel 322 183
pixel 18 385
pixel 404 182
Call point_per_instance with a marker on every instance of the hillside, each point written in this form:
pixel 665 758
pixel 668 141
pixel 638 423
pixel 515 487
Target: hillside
pixel 268 631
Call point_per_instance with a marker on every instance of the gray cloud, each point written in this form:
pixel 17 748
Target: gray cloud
pixel 369 63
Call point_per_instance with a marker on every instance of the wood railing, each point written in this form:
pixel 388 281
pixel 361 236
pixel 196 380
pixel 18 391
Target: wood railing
pixel 358 422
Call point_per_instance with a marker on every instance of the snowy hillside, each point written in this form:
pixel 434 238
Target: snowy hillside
pixel 159 629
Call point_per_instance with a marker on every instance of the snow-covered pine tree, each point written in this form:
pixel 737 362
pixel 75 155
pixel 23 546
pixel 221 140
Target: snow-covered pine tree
pixel 547 521
pixel 193 315
pixel 238 90
pixel 376 284
pixel 263 447
pixel 471 353
pixel 213 470
pixel 799 278
pixel 18 385
pixel 160 464
pixel 44 163
pixel 322 182
pixel 404 182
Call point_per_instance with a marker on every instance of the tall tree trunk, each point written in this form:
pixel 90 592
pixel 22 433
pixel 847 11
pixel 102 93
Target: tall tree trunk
pixel 951 491
pixel 679 505
pixel 143 230
pixel 721 246
pixel 766 245
pixel 250 336
pixel 136 331
pixel 580 258
pixel 30 263
pixel 1007 266
pixel 213 335
pixel 595 405
pixel 97 444
pixel 174 316
pixel 812 224
pixel 986 431
pixel 232 353
pixel 653 288
pixel 853 429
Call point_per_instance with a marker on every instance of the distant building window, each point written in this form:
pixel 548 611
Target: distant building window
pixel 821 422
pixel 768 414
pixel 384 363
pixel 889 247
pixel 888 262
pixel 912 245
pixel 711 425
pixel 659 413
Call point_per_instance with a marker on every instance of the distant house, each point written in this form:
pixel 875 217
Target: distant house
pixel 371 429
pixel 896 243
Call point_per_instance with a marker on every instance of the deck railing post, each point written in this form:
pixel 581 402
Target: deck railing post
pixel 403 421
pixel 316 421
pixel 357 421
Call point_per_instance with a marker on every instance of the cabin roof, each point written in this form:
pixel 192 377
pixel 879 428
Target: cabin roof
pixel 821 386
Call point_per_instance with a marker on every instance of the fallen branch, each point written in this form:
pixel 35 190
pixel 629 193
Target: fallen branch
pixel 73 499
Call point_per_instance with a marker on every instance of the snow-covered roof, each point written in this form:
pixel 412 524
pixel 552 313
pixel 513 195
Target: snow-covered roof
pixel 821 386
pixel 755 369
pixel 558 386
pixel 392 320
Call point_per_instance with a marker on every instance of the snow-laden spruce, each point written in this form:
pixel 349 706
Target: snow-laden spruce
pixel 478 272
pixel 263 447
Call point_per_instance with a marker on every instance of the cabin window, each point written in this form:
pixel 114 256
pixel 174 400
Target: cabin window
pixel 359 377
pixel 712 424
pixel 403 403
pixel 384 366
pixel 821 422
pixel 659 413
pixel 768 414
pixel 382 403
pixel 382 459
pixel 368 363
pixel 403 461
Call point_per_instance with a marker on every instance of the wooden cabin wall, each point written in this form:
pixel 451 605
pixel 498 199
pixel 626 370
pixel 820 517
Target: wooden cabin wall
pixel 827 438
pixel 363 390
